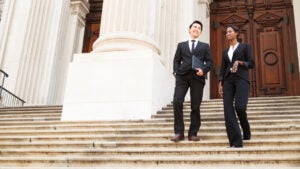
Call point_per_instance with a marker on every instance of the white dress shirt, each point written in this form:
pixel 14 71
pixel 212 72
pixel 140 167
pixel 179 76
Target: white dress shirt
pixel 231 50
pixel 191 43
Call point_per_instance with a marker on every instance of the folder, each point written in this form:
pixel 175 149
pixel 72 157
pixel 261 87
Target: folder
pixel 197 63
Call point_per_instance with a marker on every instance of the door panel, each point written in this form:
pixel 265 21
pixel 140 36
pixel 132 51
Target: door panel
pixel 271 63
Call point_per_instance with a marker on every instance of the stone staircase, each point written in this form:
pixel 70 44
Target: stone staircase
pixel 34 137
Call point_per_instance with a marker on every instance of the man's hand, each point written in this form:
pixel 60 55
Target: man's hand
pixel 199 72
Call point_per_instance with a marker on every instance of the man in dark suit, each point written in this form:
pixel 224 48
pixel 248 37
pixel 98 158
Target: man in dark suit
pixel 187 77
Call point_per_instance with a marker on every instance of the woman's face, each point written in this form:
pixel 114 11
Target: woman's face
pixel 231 34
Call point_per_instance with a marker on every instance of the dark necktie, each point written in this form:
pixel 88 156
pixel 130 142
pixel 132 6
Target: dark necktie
pixel 193 46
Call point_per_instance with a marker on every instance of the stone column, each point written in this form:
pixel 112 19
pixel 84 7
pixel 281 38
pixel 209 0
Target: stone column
pixel 34 35
pixel 124 77
pixel 128 25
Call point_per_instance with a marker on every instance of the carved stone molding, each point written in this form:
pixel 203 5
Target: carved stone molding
pixel 80 8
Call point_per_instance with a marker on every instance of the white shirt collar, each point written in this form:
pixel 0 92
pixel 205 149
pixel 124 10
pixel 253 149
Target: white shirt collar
pixel 190 43
pixel 231 50
pixel 235 46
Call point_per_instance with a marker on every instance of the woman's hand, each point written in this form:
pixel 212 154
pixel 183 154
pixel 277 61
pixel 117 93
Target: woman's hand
pixel 235 66
pixel 220 89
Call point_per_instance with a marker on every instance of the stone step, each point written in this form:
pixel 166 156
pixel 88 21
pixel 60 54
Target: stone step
pixel 152 151
pixel 30 115
pixel 29 108
pixel 138 137
pixel 108 161
pixel 162 123
pixel 257 99
pixel 164 126
pixel 254 143
pixel 217 102
pixel 250 105
pixel 250 102
pixel 161 114
pixel 221 112
pixel 254 99
pixel 252 108
pixel 169 166
pixel 41 112
pixel 169 129
pixel 42 118
pixel 220 118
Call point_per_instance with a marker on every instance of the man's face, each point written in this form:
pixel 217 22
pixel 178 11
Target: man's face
pixel 195 30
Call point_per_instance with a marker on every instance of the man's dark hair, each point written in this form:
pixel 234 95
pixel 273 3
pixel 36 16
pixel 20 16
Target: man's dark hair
pixel 198 22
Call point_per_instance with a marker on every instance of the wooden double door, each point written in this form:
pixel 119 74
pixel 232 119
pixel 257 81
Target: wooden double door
pixel 268 26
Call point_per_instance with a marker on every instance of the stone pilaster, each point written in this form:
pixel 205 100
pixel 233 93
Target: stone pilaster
pixel 73 24
pixel 296 5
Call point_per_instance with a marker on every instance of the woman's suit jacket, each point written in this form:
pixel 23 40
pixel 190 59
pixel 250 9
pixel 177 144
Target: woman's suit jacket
pixel 242 53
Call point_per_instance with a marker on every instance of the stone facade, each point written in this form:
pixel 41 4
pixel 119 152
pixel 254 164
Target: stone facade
pixel 38 40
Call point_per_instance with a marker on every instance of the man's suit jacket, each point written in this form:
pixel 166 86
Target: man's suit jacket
pixel 242 53
pixel 183 58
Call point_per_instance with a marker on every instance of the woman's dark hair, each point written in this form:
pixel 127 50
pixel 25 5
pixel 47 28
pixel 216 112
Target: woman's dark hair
pixel 237 30
pixel 198 22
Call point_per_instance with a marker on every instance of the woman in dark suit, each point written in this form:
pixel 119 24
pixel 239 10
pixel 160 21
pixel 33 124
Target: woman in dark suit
pixel 234 85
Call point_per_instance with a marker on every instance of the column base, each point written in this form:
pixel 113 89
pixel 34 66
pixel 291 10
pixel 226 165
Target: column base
pixel 116 86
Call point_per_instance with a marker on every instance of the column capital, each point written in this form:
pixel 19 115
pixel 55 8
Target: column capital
pixel 80 8
pixel 205 1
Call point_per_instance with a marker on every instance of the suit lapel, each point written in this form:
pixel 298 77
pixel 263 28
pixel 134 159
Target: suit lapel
pixel 236 52
pixel 187 47
pixel 226 52
pixel 197 47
